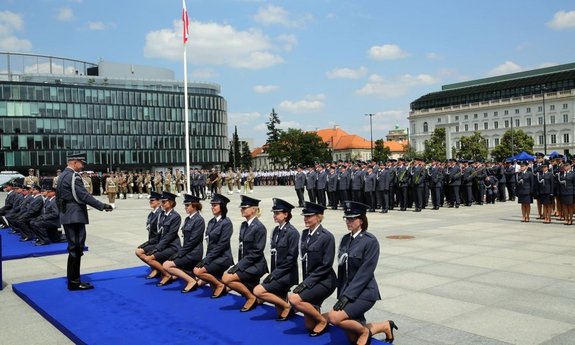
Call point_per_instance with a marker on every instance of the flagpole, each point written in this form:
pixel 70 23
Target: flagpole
pixel 186 119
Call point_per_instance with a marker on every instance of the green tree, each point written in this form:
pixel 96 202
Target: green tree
pixel 410 153
pixel 473 147
pixel 303 147
pixel 521 142
pixel 246 156
pixel 235 155
pixel 435 146
pixel 380 151
pixel 273 146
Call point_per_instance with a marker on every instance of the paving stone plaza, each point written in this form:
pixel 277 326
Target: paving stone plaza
pixel 472 275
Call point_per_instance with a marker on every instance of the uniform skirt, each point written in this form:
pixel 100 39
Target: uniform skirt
pixel 278 288
pixel 546 199
pixel 249 280
pixel 524 199
pixel 165 254
pixel 317 294
pixel 566 199
pixel 185 263
pixel 356 310
pixel 215 269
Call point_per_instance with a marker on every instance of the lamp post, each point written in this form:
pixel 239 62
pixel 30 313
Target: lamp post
pixel 371 132
pixel 543 89
pixel 512 151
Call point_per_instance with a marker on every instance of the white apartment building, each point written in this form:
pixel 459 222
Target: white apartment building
pixel 540 102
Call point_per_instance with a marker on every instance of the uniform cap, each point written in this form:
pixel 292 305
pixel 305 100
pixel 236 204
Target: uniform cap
pixel 155 196
pixel 78 157
pixel 249 202
pixel 311 209
pixel 168 196
pixel 281 205
pixel 353 209
pixel 188 199
pixel 219 199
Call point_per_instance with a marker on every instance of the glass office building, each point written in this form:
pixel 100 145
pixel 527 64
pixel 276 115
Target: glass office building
pixel 127 117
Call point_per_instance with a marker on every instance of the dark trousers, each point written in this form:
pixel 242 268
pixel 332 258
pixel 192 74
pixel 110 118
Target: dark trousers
pixel 501 189
pixel 370 200
pixel 321 197
pixel 418 197
pixel 402 196
pixel 357 195
pixel 343 195
pixel 454 195
pixel 511 190
pixel 311 195
pixel 332 197
pixel 436 196
pixel 76 236
pixel 44 231
pixel 300 198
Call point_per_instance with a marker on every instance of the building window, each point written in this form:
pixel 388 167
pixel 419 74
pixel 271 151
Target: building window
pixel 425 127
pixel 474 116
pixel 516 111
pixel 466 117
pixel 528 121
pixel 466 128
pixel 484 114
pixel 516 122
pixel 540 120
pixel 495 113
pixel 496 141
pixel 528 110
pixel 456 129
pixel 553 138
pixel 485 125
pixel 487 142
pixel 496 124
pixel 565 106
pixel 565 118
pixel 439 120
pixel 506 123
pixel 541 139
pixel 552 119
pixel 540 108
pixel 457 118
pixel 506 112
pixel 458 144
pixel 475 126
pixel 552 107
pixel 566 138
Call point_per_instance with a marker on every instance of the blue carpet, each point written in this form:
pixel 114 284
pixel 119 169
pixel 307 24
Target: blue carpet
pixel 12 248
pixel 126 308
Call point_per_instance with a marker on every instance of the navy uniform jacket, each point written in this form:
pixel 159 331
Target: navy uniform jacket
pixel 510 173
pixel 34 207
pixel 168 225
pixel 356 180
pixel 418 176
pixel 8 203
pixel 369 183
pixel 152 225
pixel 284 244
pixel 545 181
pixel 467 176
pixel 356 270
pixel 384 178
pixel 317 257
pixel 402 176
pixel 72 210
pixel 50 215
pixel 454 176
pixel 193 233
pixel 566 183
pixel 251 258
pixel 525 183
pixel 437 177
pixel 219 250
pixel 299 180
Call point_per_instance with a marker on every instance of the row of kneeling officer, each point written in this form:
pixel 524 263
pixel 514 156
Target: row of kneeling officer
pixel 358 253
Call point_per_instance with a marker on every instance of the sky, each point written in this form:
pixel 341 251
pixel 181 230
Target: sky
pixel 318 63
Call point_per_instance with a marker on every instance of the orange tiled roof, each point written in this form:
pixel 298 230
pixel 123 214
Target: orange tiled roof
pixel 257 151
pixel 395 146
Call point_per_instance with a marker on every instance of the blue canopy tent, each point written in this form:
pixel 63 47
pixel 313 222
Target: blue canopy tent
pixel 522 156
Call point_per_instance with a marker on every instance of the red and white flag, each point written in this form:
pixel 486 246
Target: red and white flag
pixel 185 21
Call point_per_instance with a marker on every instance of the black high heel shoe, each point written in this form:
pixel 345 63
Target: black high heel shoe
pixel 221 294
pixel 313 333
pixel 392 326
pixel 290 314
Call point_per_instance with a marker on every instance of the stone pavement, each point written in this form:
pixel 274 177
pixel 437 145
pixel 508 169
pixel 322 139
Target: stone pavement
pixel 473 275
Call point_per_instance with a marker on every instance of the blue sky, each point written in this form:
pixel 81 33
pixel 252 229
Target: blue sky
pixel 319 63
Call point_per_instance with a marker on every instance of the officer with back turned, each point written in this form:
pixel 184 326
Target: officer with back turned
pixel 73 199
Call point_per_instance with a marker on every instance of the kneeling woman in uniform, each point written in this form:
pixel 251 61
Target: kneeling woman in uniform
pixel 152 227
pixel 168 242
pixel 357 289
pixel 192 249
pixel 252 265
pixel 284 255
pixel 219 252
pixel 319 281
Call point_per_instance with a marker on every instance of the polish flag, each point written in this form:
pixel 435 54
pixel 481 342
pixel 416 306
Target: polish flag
pixel 185 21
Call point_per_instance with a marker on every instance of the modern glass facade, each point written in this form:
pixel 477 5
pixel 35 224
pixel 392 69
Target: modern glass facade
pixel 120 123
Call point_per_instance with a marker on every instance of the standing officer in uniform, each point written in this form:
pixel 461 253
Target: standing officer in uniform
pixel 299 185
pixel 72 199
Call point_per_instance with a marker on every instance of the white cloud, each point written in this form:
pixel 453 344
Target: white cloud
pixel 214 44
pixel 287 42
pixel 97 26
pixel 65 14
pixel 433 56
pixel 387 52
pixel 272 15
pixel 347 73
pixel 10 23
pixel 203 73
pixel 505 68
pixel 310 103
pixel 265 88
pixel 562 20
pixel 393 88
pixel 238 119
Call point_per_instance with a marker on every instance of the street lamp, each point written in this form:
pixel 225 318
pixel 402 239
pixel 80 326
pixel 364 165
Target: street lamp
pixel 371 132
pixel 543 89
pixel 512 151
